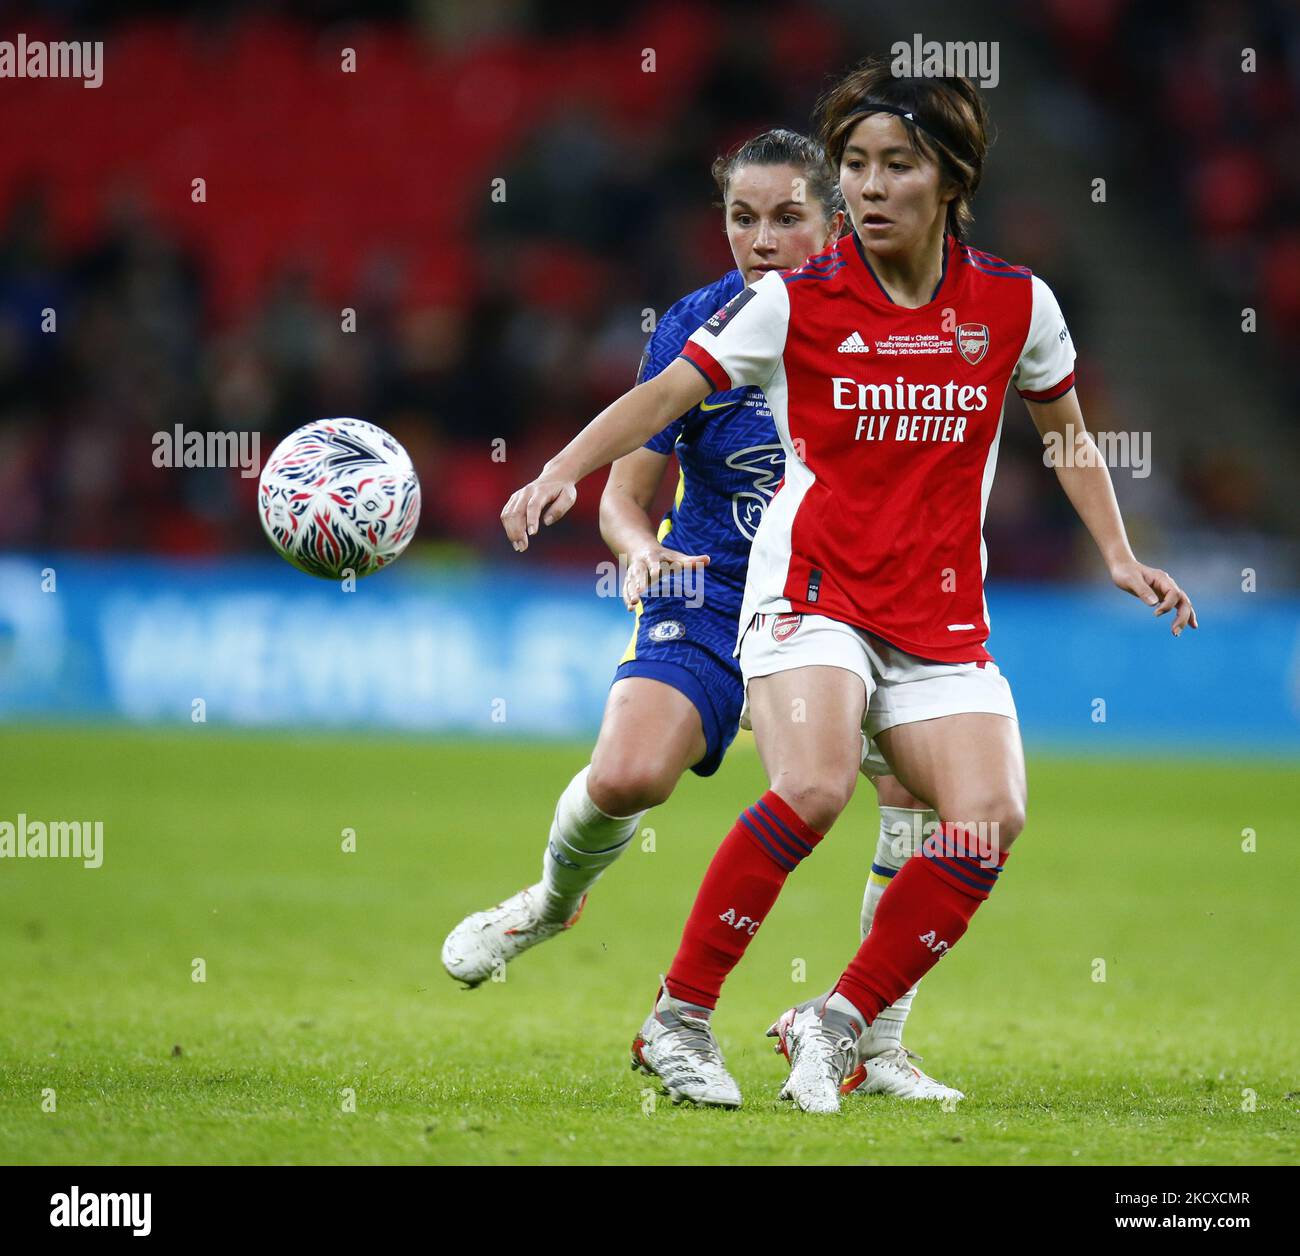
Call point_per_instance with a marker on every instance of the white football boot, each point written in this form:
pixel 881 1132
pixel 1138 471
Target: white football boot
pixel 487 941
pixel 893 1073
pixel 823 1046
pixel 889 1073
pixel 681 1051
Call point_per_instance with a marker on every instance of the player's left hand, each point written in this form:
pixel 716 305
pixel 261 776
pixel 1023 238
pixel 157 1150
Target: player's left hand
pixel 1158 589
pixel 654 563
pixel 547 499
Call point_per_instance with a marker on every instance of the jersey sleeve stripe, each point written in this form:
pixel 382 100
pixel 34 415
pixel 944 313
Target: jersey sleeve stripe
pixel 704 362
pixel 1050 394
pixel 1018 272
pixel 987 262
pixel 796 276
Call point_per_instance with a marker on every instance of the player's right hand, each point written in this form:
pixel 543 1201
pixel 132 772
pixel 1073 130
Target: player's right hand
pixel 653 563
pixel 546 499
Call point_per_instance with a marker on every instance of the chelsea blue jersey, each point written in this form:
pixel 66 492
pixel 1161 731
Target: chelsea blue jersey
pixel 730 458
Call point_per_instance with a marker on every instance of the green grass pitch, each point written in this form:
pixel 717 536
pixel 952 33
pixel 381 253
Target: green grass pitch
pixel 322 973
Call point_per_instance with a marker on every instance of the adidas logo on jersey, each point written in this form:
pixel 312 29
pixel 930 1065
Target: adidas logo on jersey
pixel 853 343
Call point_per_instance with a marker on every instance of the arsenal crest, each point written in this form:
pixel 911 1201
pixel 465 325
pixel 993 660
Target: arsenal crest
pixel 972 341
pixel 784 626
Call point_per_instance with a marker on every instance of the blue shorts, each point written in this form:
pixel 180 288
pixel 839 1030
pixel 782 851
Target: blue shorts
pixel 689 648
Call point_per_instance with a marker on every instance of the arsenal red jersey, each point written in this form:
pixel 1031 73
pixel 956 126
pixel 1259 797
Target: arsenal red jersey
pixel 890 418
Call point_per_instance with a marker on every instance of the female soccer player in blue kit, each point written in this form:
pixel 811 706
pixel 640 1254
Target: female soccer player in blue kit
pixel 677 694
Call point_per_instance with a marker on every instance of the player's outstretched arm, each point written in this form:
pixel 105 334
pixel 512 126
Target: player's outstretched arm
pixel 629 531
pixel 617 430
pixel 1087 484
pixel 634 479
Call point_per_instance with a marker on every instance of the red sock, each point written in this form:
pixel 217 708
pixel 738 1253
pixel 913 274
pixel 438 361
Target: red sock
pixel 920 917
pixel 764 846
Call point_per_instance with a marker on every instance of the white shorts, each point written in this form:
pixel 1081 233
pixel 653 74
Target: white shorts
pixel 901 688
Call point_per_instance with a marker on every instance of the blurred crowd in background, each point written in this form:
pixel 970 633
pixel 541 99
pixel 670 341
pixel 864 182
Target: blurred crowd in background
pixel 479 318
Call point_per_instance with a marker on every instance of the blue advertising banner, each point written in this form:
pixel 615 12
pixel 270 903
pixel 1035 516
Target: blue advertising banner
pixel 508 651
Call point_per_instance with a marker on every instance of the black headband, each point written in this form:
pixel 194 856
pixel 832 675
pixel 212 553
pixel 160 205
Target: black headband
pixel 908 115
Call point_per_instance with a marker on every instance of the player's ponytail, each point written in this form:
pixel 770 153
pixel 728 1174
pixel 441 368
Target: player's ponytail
pixel 944 117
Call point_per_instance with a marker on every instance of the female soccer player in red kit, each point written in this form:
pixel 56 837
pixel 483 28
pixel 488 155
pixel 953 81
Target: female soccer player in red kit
pixel 677 695
pixel 885 361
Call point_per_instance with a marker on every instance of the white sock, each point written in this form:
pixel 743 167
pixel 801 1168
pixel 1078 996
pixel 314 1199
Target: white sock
pixel 901 833
pixel 583 842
